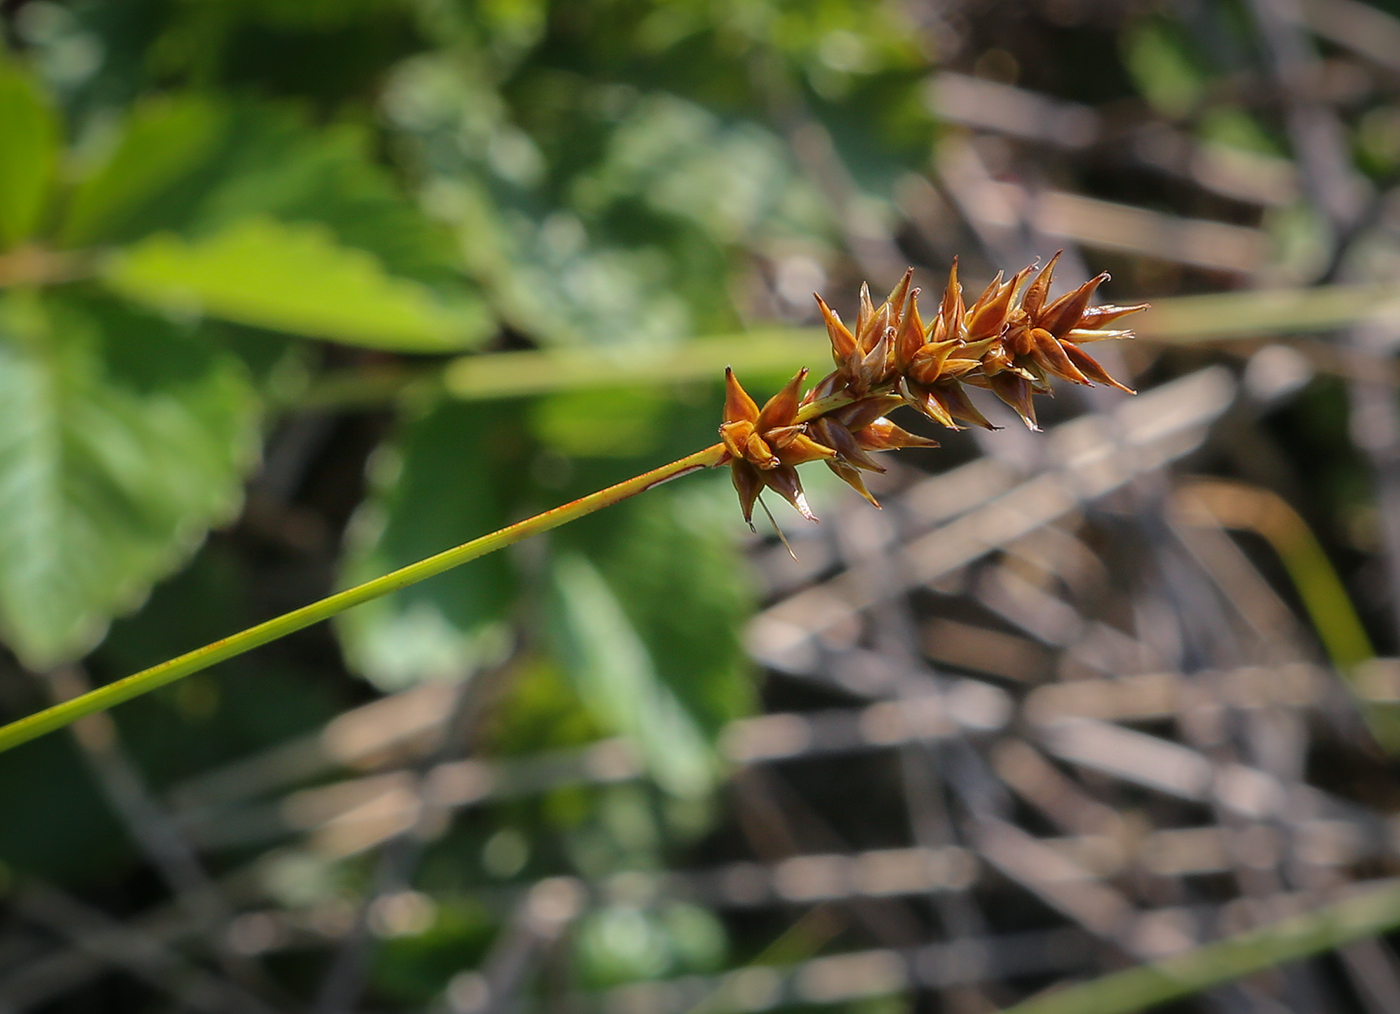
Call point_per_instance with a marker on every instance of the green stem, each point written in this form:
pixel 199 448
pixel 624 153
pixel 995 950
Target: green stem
pixel 104 697
pixel 774 351
pixel 1370 912
pixel 1314 578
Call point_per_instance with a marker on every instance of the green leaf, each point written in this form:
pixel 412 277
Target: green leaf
pixel 680 160
pixel 197 167
pixel 1155 56
pixel 447 479
pixel 28 150
pixel 278 165
pixel 674 565
pixel 165 140
pixel 307 15
pixel 617 678
pixel 413 970
pixel 671 559
pixel 122 439
pixel 601 423
pixel 294 278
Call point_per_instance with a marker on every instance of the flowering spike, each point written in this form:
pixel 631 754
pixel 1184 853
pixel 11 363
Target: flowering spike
pixel 927 365
pixel 957 404
pixel 1090 367
pixel 922 399
pixel 733 442
pixel 757 451
pixel 996 359
pixel 899 295
pixel 949 323
pixel 1016 392
pixel 748 483
pixel 873 331
pixel 851 476
pixel 1051 357
pixel 1036 292
pixel 1065 312
pixel 795 447
pixel 990 292
pixel 875 365
pixel 988 315
pixel 737 403
pixel 860 414
pixel 1097 316
pixel 1012 348
pixel 984 318
pixel 848 448
pixel 1079 334
pixel 785 483
pixel 883 435
pixel 956 367
pixel 843 343
pixel 867 309
pixel 781 409
pixel 911 334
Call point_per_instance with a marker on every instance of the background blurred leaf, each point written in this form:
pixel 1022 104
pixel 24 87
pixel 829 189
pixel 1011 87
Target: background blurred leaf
pixel 448 479
pixel 624 943
pixel 306 14
pixel 326 49
pixel 541 709
pixel 28 146
pixel 553 280
pixel 617 678
pixel 682 161
pixel 601 423
pixel 296 279
pixel 164 141
pixel 189 727
pixel 122 437
pixel 411 970
pixel 276 163
pixel 569 257
pixel 67 831
pixel 198 167
pixel 671 562
pixel 1155 54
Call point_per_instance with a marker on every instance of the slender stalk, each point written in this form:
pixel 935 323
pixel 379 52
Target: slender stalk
pixel 1187 319
pixel 1369 912
pixel 104 697
pixel 1316 581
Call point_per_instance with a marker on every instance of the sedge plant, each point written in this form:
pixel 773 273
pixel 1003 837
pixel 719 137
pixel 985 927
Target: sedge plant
pixel 1011 341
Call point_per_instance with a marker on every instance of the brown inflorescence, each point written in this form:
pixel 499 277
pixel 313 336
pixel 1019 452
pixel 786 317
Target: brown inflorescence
pixel 1010 346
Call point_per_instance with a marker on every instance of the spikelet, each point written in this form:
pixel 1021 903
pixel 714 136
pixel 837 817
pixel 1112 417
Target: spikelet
pixel 1009 346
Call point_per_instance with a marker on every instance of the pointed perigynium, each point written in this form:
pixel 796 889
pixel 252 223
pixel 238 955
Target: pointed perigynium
pixel 892 357
pixel 853 438
pixel 765 446
pixel 1040 339
pixel 865 359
